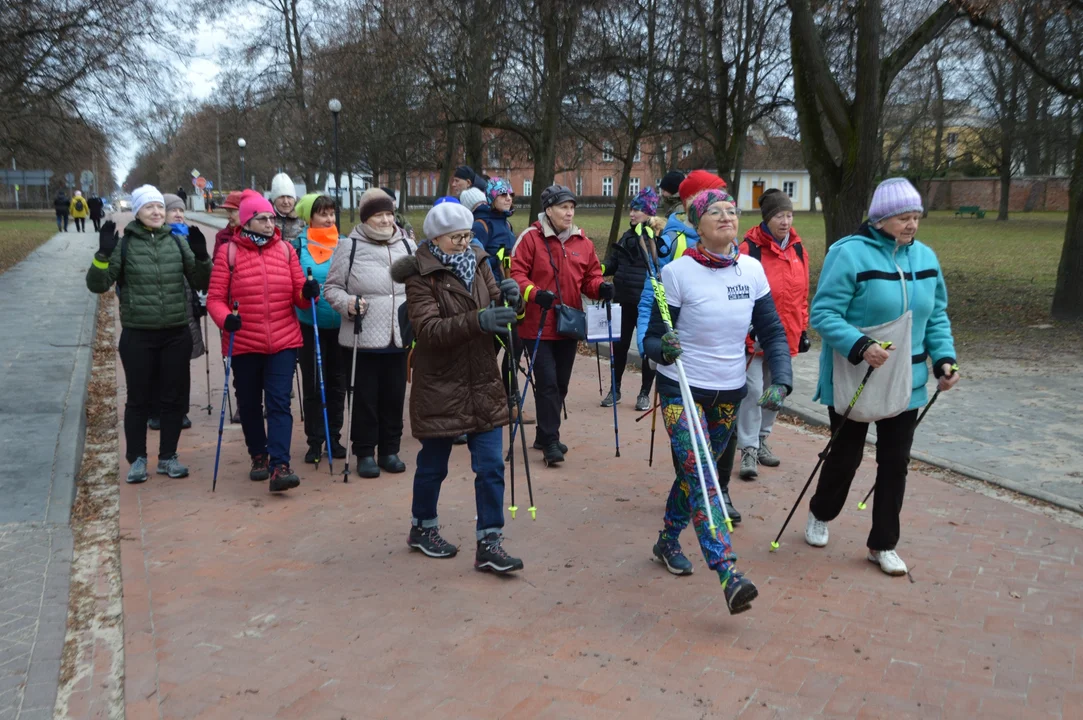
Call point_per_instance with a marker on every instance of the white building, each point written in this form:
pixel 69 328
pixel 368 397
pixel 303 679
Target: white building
pixel 774 162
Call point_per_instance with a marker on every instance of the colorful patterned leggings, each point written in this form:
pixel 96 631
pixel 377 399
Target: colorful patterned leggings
pixel 686 499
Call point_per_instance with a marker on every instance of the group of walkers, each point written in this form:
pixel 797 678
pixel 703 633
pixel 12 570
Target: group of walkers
pixel 718 318
pixel 78 209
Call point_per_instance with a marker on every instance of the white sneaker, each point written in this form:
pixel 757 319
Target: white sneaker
pixel 815 531
pixel 889 561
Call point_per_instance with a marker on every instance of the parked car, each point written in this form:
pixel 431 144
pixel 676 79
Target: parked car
pixel 124 205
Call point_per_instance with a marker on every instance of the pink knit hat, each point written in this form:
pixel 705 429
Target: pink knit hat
pixel 894 196
pixel 251 204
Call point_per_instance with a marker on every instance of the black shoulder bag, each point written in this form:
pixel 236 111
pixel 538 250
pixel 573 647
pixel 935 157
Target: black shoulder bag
pixel 571 322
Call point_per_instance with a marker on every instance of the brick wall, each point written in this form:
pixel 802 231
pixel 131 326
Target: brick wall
pixel 1027 193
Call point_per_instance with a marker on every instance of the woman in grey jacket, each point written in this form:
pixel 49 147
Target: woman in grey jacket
pixel 359 282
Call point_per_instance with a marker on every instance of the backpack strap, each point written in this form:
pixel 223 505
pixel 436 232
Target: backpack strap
pixel 800 250
pixel 754 250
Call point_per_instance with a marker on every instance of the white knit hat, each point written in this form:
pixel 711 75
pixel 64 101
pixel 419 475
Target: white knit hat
pixel 892 197
pixel 282 184
pixel 447 218
pixel 470 197
pixel 146 194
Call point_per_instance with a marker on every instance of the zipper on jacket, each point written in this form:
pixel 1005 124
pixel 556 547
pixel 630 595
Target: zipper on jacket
pixel 267 295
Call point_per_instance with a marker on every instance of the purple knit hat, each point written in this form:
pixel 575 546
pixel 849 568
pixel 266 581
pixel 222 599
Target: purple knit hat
pixel 894 196
pixel 646 200
pixel 704 199
pixel 496 187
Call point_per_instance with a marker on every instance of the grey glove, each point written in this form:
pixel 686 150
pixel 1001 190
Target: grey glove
pixel 510 290
pixel 496 319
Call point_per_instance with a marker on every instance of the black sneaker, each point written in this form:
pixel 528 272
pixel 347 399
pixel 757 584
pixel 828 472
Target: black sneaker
pixel 282 479
pixel 260 471
pixel 670 555
pixel 428 541
pixel 732 511
pixel 367 467
pixel 552 455
pixel 154 423
pixel 315 452
pixel 563 448
pixel 492 557
pixel 392 464
pixel 739 593
pixel 186 424
pixel 611 399
pixel 337 450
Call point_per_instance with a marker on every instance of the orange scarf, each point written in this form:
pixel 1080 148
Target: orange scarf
pixel 322 243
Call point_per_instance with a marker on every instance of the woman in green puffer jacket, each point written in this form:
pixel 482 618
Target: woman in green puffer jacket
pixel 149 267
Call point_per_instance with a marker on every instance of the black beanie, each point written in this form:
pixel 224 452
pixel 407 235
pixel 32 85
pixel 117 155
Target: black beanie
pixel 465 172
pixel 374 200
pixel 671 182
pixel 555 195
pixel 772 202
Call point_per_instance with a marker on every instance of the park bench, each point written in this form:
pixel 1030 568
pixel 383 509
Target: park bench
pixel 971 210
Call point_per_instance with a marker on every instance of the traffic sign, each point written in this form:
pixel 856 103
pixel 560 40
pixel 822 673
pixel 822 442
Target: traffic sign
pixel 201 182
pixel 195 173
pixel 210 185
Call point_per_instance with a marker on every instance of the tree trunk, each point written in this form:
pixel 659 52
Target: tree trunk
pixel 843 212
pixel 1068 295
pixel 352 203
pixel 616 228
pixel 1005 182
pixel 403 189
pixel 473 146
pixel 449 157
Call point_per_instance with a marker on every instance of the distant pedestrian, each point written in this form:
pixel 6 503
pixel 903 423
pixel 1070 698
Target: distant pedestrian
pixel 627 263
pixel 79 211
pixel 260 272
pixel 150 268
pixel 62 206
pixel 456 307
pixel 881 274
pixel 670 188
pixel 284 198
pixel 97 206
pixel 462 178
pixel 777 246
pixel 182 195
pixel 231 205
pixel 360 277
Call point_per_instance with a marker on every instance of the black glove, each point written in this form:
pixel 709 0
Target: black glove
pixel 606 291
pixel 496 319
pixel 232 323
pixel 510 290
pixel 804 344
pixel 200 310
pixel 311 289
pixel 197 242
pixel 544 298
pixel 108 238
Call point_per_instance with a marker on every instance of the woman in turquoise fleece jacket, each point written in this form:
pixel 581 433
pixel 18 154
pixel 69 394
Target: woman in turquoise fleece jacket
pixel 859 287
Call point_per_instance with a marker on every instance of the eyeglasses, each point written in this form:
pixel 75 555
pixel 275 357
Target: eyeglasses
pixel 733 212
pixel 461 237
pixel 263 218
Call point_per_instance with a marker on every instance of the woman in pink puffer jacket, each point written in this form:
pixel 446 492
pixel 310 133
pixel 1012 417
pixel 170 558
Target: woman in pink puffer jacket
pixel 259 271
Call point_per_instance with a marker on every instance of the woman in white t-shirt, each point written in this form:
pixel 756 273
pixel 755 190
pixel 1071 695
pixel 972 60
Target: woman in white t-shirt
pixel 713 294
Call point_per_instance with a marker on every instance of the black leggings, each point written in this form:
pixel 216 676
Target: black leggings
pixel 335 380
pixel 156 365
pixel 628 317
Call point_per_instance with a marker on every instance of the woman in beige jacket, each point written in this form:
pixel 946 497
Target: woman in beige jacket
pixel 359 281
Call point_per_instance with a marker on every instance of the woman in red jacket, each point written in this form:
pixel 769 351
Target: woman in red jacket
pixel 777 246
pixel 554 263
pixel 259 271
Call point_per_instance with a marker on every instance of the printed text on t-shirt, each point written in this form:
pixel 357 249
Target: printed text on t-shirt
pixel 739 292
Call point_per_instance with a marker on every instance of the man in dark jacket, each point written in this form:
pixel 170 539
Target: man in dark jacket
pixel 628 267
pixel 61 205
pixel 95 204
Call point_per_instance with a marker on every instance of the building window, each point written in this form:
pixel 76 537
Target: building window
pixel 494 154
pixel 425 185
pixel 686 150
pixel 528 188
pixel 578 185
pixel 607 187
pixel 953 138
pixel 638 156
pixel 607 152
pixel 633 186
pixel 790 188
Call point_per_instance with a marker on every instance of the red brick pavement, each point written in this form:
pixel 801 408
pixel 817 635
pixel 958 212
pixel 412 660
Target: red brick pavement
pixel 240 604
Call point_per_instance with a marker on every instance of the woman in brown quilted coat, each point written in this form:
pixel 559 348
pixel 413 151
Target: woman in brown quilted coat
pixel 455 306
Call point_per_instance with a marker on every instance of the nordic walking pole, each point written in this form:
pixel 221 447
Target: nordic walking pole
pixel 513 508
pixel 349 390
pixel 598 359
pixel 644 415
pixel 522 440
pixel 654 424
pixel 826 450
pixel 612 373
pixel 225 392
pixel 323 392
pixel 229 400
pixel 954 369
pixel 207 360
pixel 300 394
pixel 529 373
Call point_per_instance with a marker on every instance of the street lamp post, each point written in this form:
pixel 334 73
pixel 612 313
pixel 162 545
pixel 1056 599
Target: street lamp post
pixel 336 107
pixel 241 143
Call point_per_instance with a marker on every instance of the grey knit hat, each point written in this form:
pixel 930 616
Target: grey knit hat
pixel 555 195
pixel 447 217
pixel 172 202
pixel 773 202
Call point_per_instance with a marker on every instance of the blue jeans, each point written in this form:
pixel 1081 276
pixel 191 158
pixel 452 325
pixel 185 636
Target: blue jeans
pixel 487 462
pixel 257 377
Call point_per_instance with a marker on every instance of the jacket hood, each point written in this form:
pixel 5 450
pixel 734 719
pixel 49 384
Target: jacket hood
pixel 872 237
pixel 406 267
pixel 360 232
pixel 676 224
pixel 763 238
pixel 542 223
pixel 485 211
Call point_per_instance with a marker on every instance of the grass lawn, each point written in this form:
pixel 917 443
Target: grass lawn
pixel 21 232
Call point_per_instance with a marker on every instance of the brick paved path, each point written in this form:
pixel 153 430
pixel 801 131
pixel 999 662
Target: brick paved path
pixel 239 604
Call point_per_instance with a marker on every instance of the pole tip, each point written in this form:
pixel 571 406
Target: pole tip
pixel 774 546
pixel 729 525
pixel 512 509
pixel 861 506
pixel 533 512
